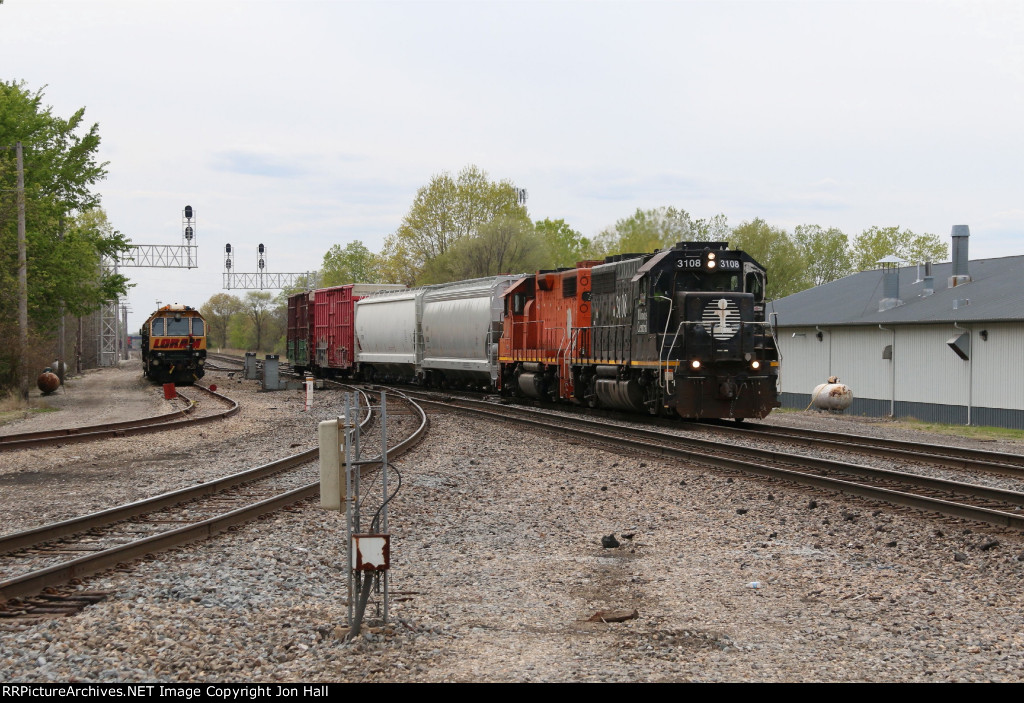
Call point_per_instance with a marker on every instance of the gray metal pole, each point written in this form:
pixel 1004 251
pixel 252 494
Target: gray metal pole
pixel 22 275
pixel 384 482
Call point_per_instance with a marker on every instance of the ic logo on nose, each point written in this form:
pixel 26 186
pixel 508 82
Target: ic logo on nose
pixel 722 318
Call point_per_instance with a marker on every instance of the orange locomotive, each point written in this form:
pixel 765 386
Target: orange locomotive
pixel 174 345
pixel 543 318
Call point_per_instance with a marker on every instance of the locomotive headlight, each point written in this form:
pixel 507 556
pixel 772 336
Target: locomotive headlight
pixel 711 263
pixel 695 364
pixel 755 365
pixel 711 256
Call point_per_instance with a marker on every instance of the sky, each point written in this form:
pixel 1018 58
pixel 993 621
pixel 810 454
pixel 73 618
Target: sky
pixel 303 124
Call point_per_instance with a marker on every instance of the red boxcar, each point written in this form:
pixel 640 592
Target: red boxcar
pixel 546 326
pixel 333 342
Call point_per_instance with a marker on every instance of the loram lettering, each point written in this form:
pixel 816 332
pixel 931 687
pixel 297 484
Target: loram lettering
pixel 174 343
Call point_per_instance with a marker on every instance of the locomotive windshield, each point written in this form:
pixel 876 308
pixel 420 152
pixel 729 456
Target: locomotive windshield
pixel 158 327
pixel 197 327
pixel 177 328
pixel 702 280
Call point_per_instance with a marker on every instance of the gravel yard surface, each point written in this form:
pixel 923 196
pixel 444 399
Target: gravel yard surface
pixel 499 569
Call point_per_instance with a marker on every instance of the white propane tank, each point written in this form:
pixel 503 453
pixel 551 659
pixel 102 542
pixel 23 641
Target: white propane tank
pixel 832 395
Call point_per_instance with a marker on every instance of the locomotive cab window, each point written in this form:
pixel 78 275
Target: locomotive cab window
pixel 177 327
pixel 755 285
pixel 158 327
pixel 197 327
pixel 518 303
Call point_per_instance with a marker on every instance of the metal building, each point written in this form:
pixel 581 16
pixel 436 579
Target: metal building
pixel 942 343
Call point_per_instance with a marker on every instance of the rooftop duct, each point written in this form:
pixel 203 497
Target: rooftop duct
pixel 961 345
pixel 961 234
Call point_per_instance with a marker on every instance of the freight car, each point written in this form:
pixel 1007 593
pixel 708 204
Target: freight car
pixel 441 336
pixel 681 331
pixel 174 345
pixel 320 328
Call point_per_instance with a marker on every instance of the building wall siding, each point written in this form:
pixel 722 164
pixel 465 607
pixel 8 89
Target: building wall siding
pixel 998 366
pixel 932 383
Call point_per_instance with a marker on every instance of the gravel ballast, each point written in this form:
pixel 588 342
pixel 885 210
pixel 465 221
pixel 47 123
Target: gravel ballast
pixel 499 569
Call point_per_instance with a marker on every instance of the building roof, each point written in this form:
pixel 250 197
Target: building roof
pixel 994 293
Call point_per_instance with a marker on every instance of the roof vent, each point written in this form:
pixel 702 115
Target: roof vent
pixel 929 286
pixel 961 233
pixel 890 283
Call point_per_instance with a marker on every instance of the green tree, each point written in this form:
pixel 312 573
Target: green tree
pixel 353 263
pixel 773 248
pixel 258 306
pixel 444 212
pixel 712 229
pixel 66 234
pixel 874 244
pixel 647 230
pixel 218 311
pixel 505 245
pixel 825 251
pixel 565 246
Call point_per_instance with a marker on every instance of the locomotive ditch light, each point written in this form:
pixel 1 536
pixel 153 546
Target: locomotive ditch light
pixel 755 364
pixel 695 364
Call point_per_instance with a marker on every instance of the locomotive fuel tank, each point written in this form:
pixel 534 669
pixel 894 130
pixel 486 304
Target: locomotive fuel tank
pixel 624 394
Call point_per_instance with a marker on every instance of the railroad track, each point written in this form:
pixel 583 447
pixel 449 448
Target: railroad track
pixel 88 433
pixel 959 498
pixel 54 555
pixel 934 454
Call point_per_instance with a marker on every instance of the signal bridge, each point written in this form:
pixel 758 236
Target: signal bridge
pixel 262 279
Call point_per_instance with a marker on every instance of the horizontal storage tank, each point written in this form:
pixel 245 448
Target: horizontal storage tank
pixel 461 327
pixel 832 396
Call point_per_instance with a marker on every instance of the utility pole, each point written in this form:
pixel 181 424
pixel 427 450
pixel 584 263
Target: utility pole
pixel 22 275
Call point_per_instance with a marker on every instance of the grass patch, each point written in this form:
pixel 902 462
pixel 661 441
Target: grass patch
pixel 970 431
pixel 7 416
pixel 981 432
